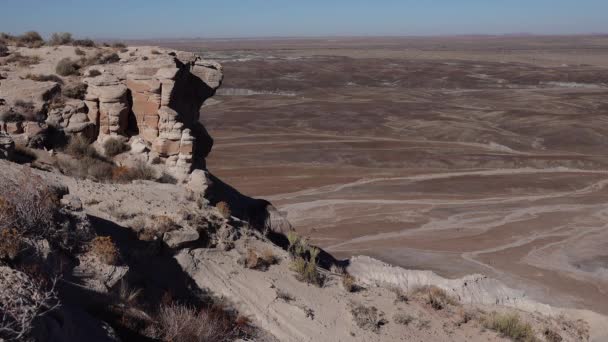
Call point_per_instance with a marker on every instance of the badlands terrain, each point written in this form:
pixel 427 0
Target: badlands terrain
pixel 137 186
pixel 459 155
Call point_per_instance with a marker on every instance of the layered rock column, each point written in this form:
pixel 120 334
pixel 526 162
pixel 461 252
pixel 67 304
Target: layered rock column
pixel 159 100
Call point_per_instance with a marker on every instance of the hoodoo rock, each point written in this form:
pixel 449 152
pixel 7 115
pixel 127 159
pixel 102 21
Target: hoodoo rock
pixel 159 100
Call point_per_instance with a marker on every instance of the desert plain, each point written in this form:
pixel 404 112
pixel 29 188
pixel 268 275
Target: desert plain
pixel 460 155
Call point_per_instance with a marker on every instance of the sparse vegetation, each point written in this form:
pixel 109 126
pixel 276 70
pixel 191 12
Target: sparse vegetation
pixel 83 43
pixel 304 260
pixel 259 261
pixel 179 323
pixel 400 295
pixel 44 78
pixel 104 248
pixel 350 283
pixel 113 147
pixel 367 318
pixel 100 58
pixel 436 297
pixel 76 91
pixel 60 38
pixel 31 39
pixel 21 60
pixel 224 209
pixel 119 45
pixel 511 326
pixel 11 241
pixel 155 52
pixel 79 52
pixel 80 147
pixel 403 318
pixel 67 67
pixel 94 73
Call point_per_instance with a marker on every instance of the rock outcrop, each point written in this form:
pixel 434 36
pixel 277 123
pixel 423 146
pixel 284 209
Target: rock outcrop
pixel 159 100
pixel 151 96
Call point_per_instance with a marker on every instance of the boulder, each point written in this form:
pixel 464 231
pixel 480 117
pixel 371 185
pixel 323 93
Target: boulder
pixel 177 238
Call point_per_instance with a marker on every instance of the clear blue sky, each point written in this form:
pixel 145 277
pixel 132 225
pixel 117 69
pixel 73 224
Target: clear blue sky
pixel 247 18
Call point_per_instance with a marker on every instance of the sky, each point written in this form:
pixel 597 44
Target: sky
pixel 133 19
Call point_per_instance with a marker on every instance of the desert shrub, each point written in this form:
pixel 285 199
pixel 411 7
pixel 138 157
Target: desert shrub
pixel 128 295
pixel 22 60
pixel 104 248
pixel 31 39
pixel 510 326
pixel 3 49
pixel 67 67
pixel 180 323
pixel 259 261
pixel 77 91
pixel 94 73
pixel 113 147
pixel 403 318
pixel 44 78
pixel 436 297
pixel 349 283
pixel 400 296
pixel 144 58
pixel 119 45
pixel 79 52
pixel 155 52
pixel 140 170
pixel 123 50
pixel 24 300
pixel 83 42
pixel 224 209
pixel 11 241
pixel 552 336
pixel 100 58
pixel 80 147
pixel 60 38
pixel 97 169
pixel 367 318
pixel 28 205
pixel 306 270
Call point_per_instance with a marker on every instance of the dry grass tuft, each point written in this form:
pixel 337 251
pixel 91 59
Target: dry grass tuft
pixel 105 249
pixel 180 323
pixel 403 318
pixel 350 283
pixel 260 262
pixel 436 297
pixel 113 147
pixel 367 318
pixel 510 325
pixel 11 242
pixel 67 67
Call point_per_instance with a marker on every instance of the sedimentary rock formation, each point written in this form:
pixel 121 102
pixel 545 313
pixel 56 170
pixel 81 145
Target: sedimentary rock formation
pixel 159 100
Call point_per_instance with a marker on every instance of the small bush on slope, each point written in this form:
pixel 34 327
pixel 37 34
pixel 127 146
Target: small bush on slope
pixel 67 67
pixel 60 38
pixel 511 326
pixel 77 91
pixel 104 248
pixel 114 147
pixel 180 323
